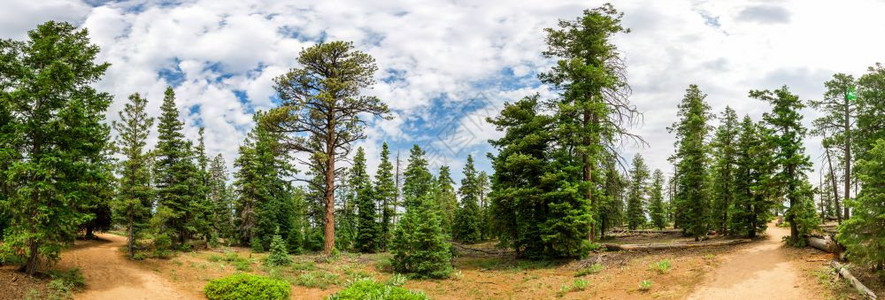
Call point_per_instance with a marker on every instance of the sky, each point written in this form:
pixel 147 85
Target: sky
pixel 444 66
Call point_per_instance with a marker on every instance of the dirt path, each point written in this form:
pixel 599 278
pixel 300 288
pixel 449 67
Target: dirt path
pixel 109 275
pixel 762 271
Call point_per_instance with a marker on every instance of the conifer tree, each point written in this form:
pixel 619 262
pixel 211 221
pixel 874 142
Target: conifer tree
pixel 419 244
pixel 134 200
pixel 322 111
pixel 863 234
pixel 385 193
pixel 446 198
pixel 368 229
pixel 612 211
pixel 870 109
pixel 517 188
pixel 467 218
pixel 692 198
pixel 175 174
pixel 221 200
pixel 55 160
pixel 483 184
pixel 839 107
pixel 724 156
pixel 788 132
pixel 279 253
pixel 656 206
pixel 203 205
pixel 754 188
pixel 638 190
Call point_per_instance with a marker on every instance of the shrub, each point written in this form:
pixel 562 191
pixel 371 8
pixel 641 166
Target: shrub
pixel 645 285
pixel 279 254
pixel 662 266
pixel 579 284
pixel 397 280
pixel 316 279
pixel 246 286
pixel 162 246
pixel 369 289
pixel 72 278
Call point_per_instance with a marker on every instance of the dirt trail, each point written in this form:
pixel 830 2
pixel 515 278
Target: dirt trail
pixel 109 275
pixel 762 271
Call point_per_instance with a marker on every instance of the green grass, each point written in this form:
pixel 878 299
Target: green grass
pixel 662 266
pixel 645 285
pixel 592 269
pixel 316 279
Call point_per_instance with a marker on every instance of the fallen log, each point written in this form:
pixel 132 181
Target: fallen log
pixel 824 244
pixel 663 246
pixel 643 231
pixel 843 271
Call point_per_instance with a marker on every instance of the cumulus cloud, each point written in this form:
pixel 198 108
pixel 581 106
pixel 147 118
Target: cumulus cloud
pixel 436 58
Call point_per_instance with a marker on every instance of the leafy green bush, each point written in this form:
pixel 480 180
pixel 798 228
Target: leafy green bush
pixel 645 285
pixel 316 279
pixel 246 286
pixel 661 266
pixel 162 246
pixel 369 289
pixel 72 278
pixel 279 254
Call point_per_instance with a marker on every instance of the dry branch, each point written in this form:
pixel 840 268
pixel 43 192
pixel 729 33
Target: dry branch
pixel 662 246
pixel 843 271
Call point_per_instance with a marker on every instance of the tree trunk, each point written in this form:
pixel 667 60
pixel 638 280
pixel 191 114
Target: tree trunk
pixel 30 266
pixel 588 174
pixel 329 226
pixel 847 155
pixel 833 183
pixel 131 243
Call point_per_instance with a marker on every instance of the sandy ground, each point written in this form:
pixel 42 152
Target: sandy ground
pixel 762 271
pixel 109 275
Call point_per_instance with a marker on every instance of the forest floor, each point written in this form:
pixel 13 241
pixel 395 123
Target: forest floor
pixel 764 269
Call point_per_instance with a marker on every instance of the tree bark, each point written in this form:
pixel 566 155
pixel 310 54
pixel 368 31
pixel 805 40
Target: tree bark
pixel 843 270
pixel 131 233
pixel 847 154
pixel 329 226
pixel 833 183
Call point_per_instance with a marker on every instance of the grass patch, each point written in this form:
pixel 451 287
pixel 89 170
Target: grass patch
pixel 575 286
pixel 662 266
pixel 645 285
pixel 369 289
pixel 592 269
pixel 316 279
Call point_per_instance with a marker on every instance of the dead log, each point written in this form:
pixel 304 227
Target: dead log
pixel 845 273
pixel 824 244
pixel 663 246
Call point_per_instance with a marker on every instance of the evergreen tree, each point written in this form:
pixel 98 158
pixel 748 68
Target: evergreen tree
pixel 419 244
pixel 385 192
pixel 724 160
pixel 656 206
pixel 134 200
pixel 445 196
pixel 612 211
pixel 517 187
pixel 368 229
pixel 483 184
pixel 692 198
pixel 324 100
pixel 203 205
pixel 839 106
pixel 592 112
pixel 863 234
pixel 870 109
pixel 754 188
pixel 54 161
pixel 638 190
pixel 221 201
pixel 279 253
pixel 175 174
pixel 467 218
pixel 786 122
pixel 346 220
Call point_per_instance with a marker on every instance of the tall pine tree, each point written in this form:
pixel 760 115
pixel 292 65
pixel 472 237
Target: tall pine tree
pixel 368 229
pixel 446 198
pixel 134 200
pixel 385 193
pixel 637 196
pixel 692 197
pixel 656 205
pixel 724 160
pixel 468 217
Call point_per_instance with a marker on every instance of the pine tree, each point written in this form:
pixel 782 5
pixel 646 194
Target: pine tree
pixel 754 187
pixel 611 213
pixel 517 187
pixel 202 206
pixel 55 160
pixel 838 108
pixel 656 206
pixel 175 173
pixel 279 253
pixel 483 184
pixel 419 244
pixel 445 196
pixel 724 160
pixel 221 201
pixel 692 198
pixel 385 192
pixel 637 194
pixel 863 234
pixel 467 218
pixel 368 229
pixel 592 112
pixel 786 121
pixel 870 109
pixel 333 120
pixel 134 200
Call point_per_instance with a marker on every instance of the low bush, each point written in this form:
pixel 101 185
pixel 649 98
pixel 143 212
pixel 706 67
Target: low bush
pixel 645 285
pixel 662 266
pixel 162 246
pixel 279 253
pixel 370 289
pixel 316 279
pixel 246 286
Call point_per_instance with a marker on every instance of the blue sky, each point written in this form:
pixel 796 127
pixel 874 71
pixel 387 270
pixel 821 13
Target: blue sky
pixel 446 65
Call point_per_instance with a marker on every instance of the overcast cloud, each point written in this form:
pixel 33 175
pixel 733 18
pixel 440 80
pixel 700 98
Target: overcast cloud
pixel 438 58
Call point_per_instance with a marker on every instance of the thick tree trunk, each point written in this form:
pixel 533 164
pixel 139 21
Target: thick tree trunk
pixel 30 266
pixel 329 226
pixel 823 244
pixel 847 155
pixel 131 243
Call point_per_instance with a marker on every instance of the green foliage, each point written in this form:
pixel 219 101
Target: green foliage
pixel 790 159
pixel 611 212
pixel 754 186
pixel 656 207
pixel 592 269
pixel 316 279
pixel 692 198
pixel 72 278
pixel 662 266
pixel 369 289
pixel 863 234
pixel 645 285
pixel 385 193
pixel 246 286
pixel 870 109
pixel 134 200
pixel 468 217
pixel 162 245
pixel 638 191
pixel 369 236
pixel 724 167
pixel 279 253
pixel 54 172
pixel 221 201
pixel 447 200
